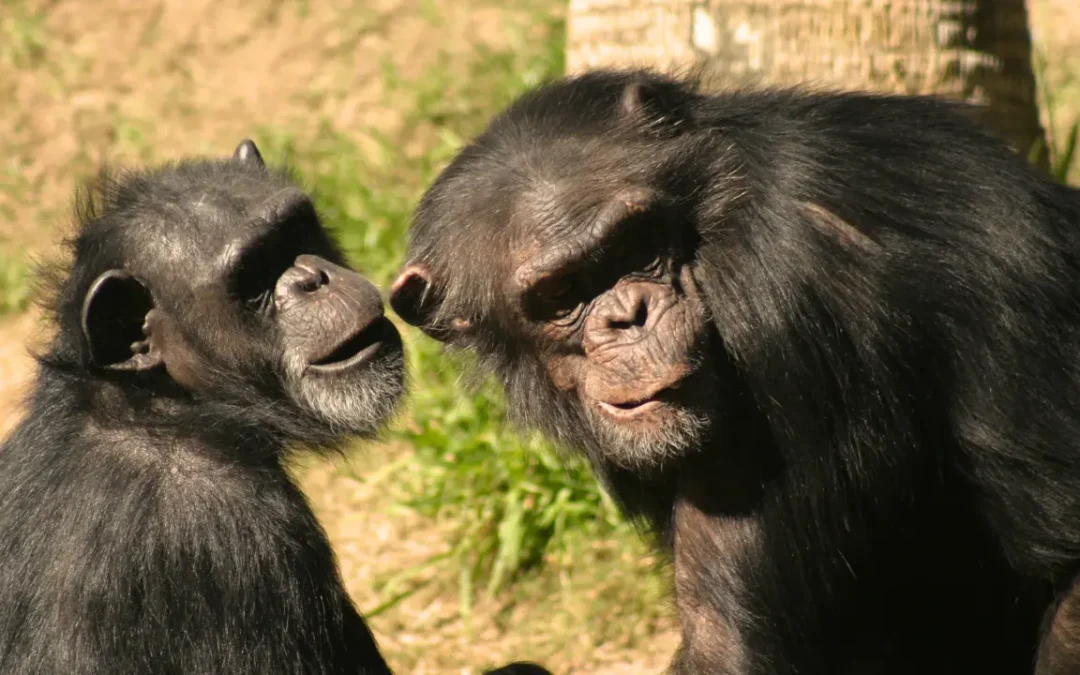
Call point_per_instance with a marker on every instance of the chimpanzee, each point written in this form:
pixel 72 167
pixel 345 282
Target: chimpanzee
pixel 826 345
pixel 207 323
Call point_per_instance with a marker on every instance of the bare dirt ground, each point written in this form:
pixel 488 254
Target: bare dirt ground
pixel 122 81
pixel 15 365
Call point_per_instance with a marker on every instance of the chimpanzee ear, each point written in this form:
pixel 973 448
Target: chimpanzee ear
pixel 413 298
pixel 113 315
pixel 247 152
pixel 636 101
pixel 651 105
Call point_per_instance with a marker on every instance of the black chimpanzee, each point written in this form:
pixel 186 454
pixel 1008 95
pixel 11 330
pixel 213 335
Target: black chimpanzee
pixel 827 345
pixel 206 324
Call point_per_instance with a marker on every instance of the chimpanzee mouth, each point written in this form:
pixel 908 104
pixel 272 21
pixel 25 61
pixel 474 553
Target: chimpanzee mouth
pixel 649 400
pixel 629 409
pixel 354 350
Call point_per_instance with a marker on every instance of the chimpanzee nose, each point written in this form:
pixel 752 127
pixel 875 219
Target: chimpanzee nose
pixel 620 316
pixel 314 279
pixel 628 311
pixel 308 274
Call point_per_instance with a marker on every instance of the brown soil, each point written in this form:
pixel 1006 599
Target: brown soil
pixel 122 82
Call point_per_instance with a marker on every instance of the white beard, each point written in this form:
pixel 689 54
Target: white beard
pixel 355 403
pixel 682 431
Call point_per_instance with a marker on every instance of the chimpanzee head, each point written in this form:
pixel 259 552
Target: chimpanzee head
pixel 214 283
pixel 556 243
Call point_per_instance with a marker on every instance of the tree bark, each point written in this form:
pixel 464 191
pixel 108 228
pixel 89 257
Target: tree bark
pixel 977 51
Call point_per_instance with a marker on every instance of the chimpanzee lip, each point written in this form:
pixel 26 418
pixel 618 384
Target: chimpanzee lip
pixel 629 409
pixel 649 398
pixel 358 348
pixel 648 402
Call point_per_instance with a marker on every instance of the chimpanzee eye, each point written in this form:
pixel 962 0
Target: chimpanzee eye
pixel 619 251
pixel 561 297
pixel 263 261
pixel 258 270
pixel 560 290
pixel 562 312
pixel 254 281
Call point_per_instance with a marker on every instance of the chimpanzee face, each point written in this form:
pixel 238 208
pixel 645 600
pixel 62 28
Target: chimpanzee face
pixel 233 286
pixel 615 317
pixel 594 281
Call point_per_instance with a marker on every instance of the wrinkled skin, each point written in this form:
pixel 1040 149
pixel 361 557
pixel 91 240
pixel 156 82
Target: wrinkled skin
pixel 822 345
pixel 619 326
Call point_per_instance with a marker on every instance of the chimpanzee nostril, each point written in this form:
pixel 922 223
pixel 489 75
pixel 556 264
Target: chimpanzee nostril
pixel 315 280
pixel 635 314
pixel 313 275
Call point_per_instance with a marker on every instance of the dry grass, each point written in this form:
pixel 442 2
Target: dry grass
pixel 137 81
pixel 17 333
pixel 128 81
pixel 583 621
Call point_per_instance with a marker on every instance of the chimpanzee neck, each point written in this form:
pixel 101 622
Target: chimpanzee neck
pixel 105 408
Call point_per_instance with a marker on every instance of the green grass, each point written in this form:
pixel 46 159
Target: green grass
pixel 15 283
pixel 1063 140
pixel 1063 153
pixel 22 34
pixel 515 501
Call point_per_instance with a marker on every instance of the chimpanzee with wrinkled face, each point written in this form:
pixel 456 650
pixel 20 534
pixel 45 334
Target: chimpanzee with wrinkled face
pixel 206 324
pixel 826 345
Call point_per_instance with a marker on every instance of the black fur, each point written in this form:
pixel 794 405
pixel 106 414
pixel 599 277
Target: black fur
pixel 147 521
pixel 892 482
pixel 149 530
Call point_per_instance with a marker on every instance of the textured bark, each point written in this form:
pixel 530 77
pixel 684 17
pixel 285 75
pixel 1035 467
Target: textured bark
pixel 974 50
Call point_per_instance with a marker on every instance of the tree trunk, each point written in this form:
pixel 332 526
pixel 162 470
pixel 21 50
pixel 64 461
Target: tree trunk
pixel 978 51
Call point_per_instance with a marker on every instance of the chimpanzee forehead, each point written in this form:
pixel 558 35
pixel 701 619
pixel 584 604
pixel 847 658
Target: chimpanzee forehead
pixel 192 216
pixel 560 193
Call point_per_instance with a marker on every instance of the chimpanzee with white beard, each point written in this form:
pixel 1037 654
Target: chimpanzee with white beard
pixel 206 325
